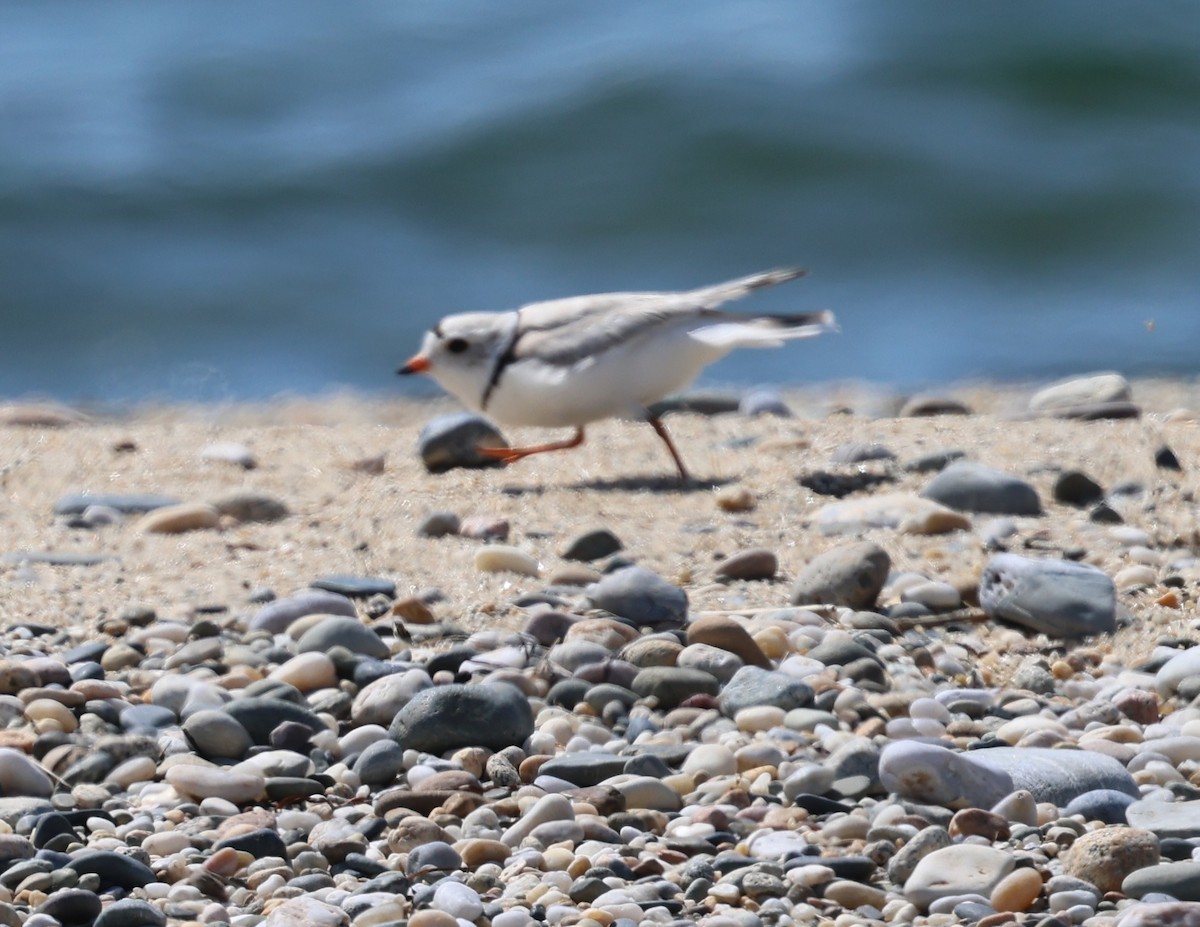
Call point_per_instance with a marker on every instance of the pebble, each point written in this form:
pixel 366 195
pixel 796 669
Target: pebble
pixel 1080 391
pixel 967 486
pixel 905 512
pixel 276 617
pixel 967 869
pixel 1180 880
pixel 756 563
pixel 851 575
pixel 500 558
pixel 1104 858
pixel 725 633
pixel 1056 597
pixel 177 519
pixel 451 441
pixel 589 751
pixel 593 545
pixel 444 718
pixel 641 597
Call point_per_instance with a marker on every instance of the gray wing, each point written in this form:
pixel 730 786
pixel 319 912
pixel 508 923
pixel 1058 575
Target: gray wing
pixel 564 332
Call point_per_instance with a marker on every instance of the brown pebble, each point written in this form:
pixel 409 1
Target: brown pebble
pixel 754 563
pixel 735 499
pixel 1138 705
pixel 177 519
pixel 484 528
pixel 532 765
pixel 1017 891
pixel 373 465
pixel 975 822
pixel 223 862
pixel 727 634
pixel 414 611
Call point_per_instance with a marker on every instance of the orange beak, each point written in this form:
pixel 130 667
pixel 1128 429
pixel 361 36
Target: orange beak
pixel 416 364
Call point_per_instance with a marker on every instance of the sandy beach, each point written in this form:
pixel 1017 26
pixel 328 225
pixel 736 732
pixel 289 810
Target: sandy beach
pixel 848 730
pixel 346 521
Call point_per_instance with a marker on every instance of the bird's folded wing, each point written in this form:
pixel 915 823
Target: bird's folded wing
pixel 568 331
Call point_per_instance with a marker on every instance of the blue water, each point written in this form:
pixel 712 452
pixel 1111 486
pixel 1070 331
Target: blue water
pixel 229 200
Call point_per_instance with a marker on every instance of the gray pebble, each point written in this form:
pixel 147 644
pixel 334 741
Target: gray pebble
pixel 451 716
pixel 340 631
pixel 851 575
pixel 1056 597
pixel 451 441
pixel 641 597
pixel 971 487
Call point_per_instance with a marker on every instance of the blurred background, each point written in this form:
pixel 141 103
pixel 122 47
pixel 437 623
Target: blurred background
pixel 234 201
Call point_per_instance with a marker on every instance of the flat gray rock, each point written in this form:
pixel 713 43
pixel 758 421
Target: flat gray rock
pixel 1166 818
pixel 586 768
pixel 958 870
pixel 341 631
pixel 751 686
pixel 641 597
pixel 125 503
pixel 1180 880
pixel 1057 776
pixel 277 616
pixel 670 685
pixel 851 575
pixel 452 716
pixel 1057 597
pixel 1077 391
pixel 451 441
pixel 937 776
pixel 971 487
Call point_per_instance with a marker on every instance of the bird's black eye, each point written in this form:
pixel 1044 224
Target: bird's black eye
pixel 457 345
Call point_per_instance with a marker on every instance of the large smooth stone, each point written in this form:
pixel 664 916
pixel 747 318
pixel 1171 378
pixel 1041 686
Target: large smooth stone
pixel 1057 776
pixel 958 870
pixel 277 616
pixel 113 868
pixel 306 912
pixel 641 597
pixel 938 776
pixel 201 782
pixel 1161 914
pixel 901 511
pixel 1166 818
pixel 670 685
pixel 1057 597
pixel 1079 391
pixel 1176 671
pixel 448 717
pixel 21 776
pixel 1180 880
pixel 752 686
pixel 261 715
pixel 971 487
pixel 450 441
pixel 851 575
pixel 341 631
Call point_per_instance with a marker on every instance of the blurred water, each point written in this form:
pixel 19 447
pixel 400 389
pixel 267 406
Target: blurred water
pixel 236 200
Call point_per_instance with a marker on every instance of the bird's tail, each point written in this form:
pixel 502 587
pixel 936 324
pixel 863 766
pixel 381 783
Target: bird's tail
pixel 766 331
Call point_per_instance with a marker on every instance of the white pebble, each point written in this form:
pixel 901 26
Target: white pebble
pixel 500 558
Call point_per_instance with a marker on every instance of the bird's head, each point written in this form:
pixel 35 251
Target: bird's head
pixel 461 351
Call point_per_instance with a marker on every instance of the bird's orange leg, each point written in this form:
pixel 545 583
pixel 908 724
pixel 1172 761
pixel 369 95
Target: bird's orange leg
pixel 661 430
pixel 509 455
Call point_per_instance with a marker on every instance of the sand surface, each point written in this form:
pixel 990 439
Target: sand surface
pixel 345 521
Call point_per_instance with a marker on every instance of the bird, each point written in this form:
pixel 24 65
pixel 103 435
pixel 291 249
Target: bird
pixel 565 363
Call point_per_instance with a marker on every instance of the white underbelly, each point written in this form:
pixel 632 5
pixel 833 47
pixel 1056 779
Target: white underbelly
pixel 616 385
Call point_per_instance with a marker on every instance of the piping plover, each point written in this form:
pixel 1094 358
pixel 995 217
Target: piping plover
pixel 570 362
